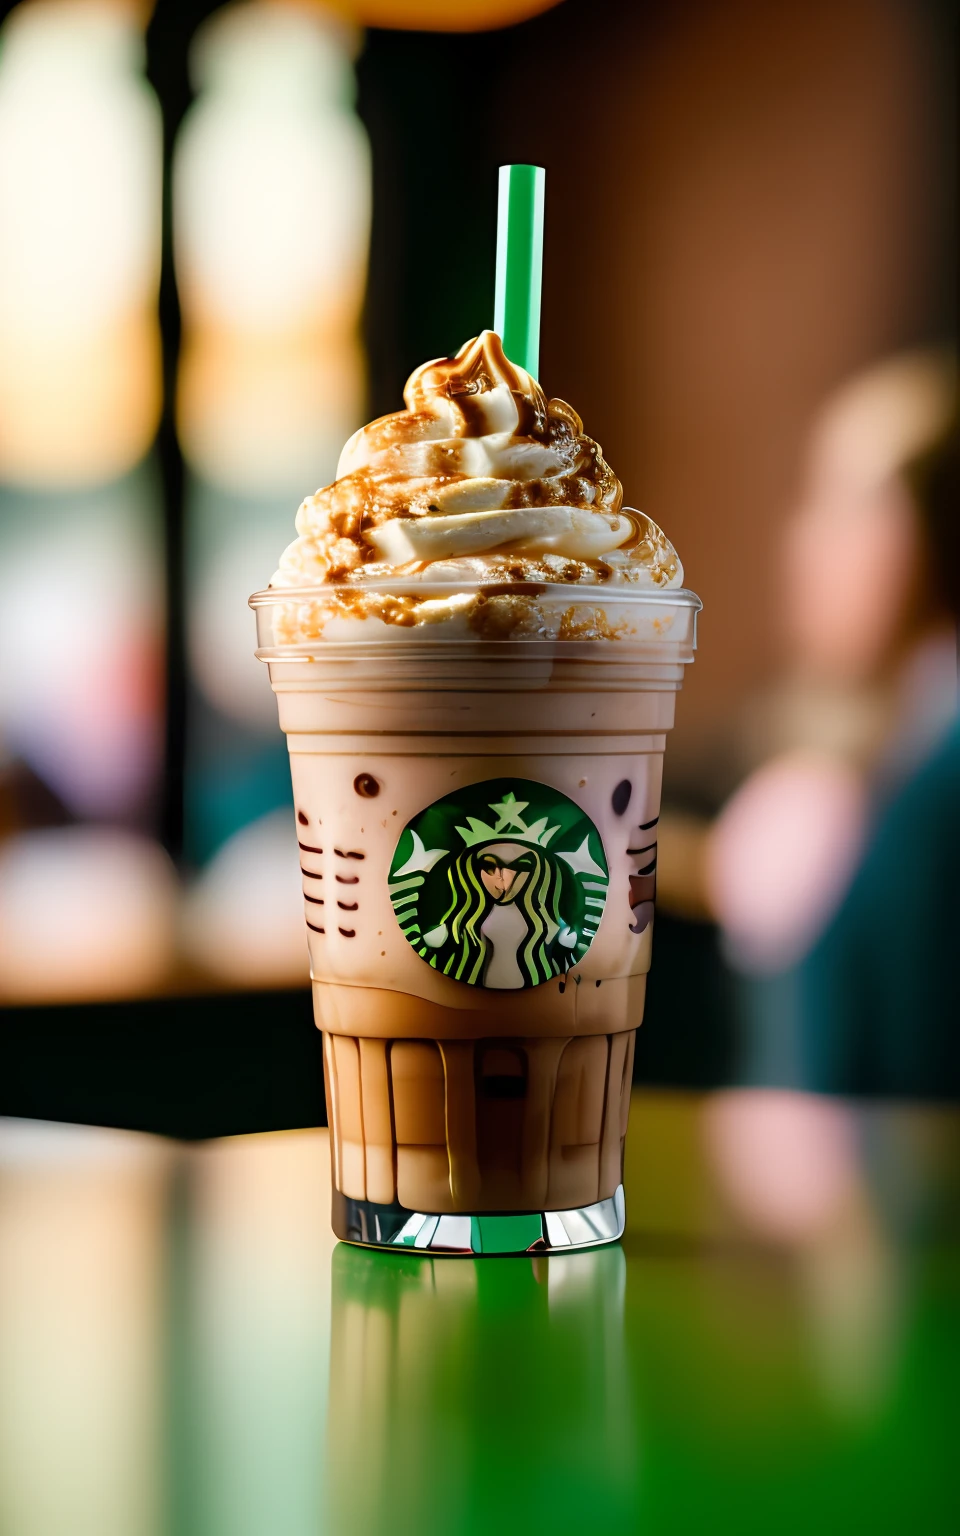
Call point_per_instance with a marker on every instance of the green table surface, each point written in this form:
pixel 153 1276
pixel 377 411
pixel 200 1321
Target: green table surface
pixel 774 1347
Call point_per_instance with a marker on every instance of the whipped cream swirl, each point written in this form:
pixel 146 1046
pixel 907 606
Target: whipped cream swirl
pixel 480 480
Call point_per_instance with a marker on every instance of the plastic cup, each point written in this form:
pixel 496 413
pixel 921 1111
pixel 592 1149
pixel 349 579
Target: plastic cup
pixel 477 829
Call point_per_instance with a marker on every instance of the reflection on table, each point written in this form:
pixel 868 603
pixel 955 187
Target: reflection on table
pixel 184 1348
pixel 464 1394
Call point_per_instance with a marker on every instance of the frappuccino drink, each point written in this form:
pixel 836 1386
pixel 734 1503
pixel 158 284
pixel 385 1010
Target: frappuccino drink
pixel 476 650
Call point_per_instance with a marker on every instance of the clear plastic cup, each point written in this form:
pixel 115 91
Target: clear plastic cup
pixel 477 828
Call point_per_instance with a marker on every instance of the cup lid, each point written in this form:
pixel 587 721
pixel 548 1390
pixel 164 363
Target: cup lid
pixel 326 618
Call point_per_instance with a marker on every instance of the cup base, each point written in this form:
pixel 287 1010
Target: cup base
pixel 394 1226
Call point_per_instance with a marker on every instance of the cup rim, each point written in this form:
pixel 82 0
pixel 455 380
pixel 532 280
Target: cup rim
pixel 682 597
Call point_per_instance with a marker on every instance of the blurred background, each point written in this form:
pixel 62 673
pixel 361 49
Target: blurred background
pixel 227 235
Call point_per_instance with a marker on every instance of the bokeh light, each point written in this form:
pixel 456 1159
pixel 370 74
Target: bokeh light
pixel 80 201
pixel 443 15
pixel 272 208
pixel 82 630
pixel 271 218
pixel 85 913
pixel 243 918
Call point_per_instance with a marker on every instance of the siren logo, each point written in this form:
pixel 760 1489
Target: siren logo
pixel 500 884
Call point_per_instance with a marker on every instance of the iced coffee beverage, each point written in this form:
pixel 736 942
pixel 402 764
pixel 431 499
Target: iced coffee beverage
pixel 476 650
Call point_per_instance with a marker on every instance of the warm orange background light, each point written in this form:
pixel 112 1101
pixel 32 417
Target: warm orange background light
pixel 440 15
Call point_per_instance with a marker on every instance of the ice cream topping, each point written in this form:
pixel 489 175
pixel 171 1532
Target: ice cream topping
pixel 480 480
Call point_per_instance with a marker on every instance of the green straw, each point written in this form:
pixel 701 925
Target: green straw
pixel 516 314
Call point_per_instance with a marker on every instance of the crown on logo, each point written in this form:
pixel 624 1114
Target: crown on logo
pixel 510 823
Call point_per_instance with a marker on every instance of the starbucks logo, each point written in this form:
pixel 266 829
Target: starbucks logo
pixel 501 884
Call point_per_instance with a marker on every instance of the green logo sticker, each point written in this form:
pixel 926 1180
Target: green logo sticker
pixel 500 884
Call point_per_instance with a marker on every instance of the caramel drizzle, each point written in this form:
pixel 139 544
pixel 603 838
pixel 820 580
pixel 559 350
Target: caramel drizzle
pixel 478 367
pixel 335 519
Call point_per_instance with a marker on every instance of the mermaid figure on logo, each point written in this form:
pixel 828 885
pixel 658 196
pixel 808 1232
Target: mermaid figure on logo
pixel 514 914
pixel 503 926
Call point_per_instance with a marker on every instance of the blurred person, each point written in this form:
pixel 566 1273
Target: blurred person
pixel 869 686
pixel 879 994
pixel 832 868
pixel 870 676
